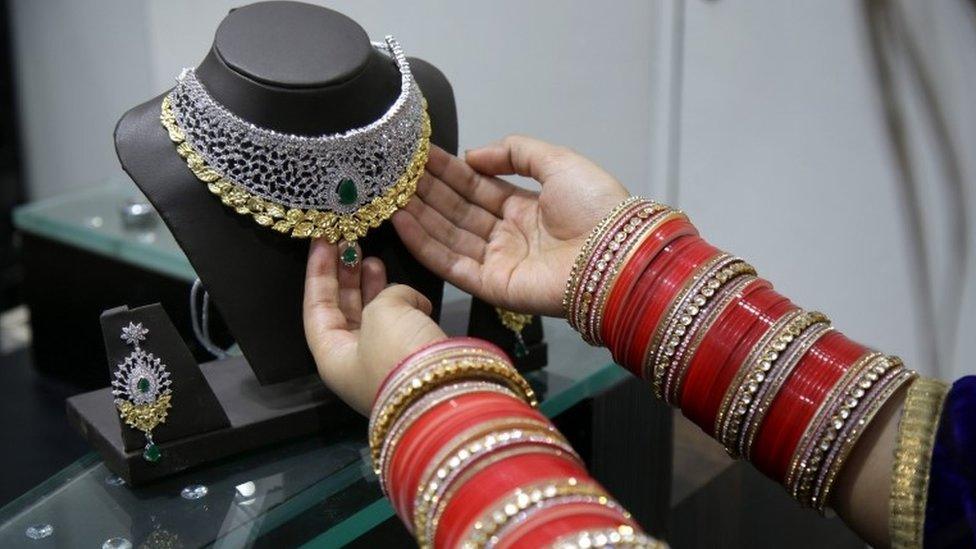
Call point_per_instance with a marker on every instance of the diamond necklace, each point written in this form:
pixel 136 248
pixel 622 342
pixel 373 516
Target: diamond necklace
pixel 335 186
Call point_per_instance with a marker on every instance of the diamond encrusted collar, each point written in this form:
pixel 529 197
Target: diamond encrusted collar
pixel 335 185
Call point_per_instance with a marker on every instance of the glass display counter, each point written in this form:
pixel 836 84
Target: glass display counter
pixel 320 491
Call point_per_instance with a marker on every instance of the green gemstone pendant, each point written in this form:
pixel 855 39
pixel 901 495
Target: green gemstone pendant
pixel 347 192
pixel 143 385
pixel 151 453
pixel 349 255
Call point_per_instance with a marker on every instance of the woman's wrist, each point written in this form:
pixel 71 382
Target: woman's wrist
pixel 436 365
pixel 466 459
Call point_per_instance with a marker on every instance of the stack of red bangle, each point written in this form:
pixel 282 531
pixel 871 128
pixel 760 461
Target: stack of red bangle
pixel 467 461
pixel 772 382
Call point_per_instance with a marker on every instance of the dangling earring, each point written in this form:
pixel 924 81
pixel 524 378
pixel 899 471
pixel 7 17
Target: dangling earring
pixel 142 389
pixel 515 322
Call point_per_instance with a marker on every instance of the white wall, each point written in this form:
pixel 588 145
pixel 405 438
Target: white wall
pixel 79 66
pixel 573 72
pixel 785 161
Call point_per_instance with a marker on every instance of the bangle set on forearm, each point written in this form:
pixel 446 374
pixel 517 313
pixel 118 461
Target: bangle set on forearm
pixel 773 383
pixel 467 461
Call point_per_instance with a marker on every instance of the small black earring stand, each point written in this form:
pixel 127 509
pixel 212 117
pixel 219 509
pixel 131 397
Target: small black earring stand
pixel 218 408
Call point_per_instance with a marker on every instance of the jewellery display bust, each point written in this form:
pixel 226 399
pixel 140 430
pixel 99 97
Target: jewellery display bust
pixel 297 69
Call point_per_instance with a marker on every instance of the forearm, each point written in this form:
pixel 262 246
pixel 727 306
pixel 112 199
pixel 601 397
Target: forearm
pixel 467 461
pixel 773 383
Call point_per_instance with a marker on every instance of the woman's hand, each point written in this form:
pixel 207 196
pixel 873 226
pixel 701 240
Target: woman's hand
pixel 355 346
pixel 511 247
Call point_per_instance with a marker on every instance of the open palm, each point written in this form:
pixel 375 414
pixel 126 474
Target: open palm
pixel 511 247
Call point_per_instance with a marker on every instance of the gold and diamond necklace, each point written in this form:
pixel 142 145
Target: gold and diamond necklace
pixel 335 186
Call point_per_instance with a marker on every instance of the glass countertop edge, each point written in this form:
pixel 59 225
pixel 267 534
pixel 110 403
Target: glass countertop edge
pixel 379 510
pixel 48 488
pixel 159 262
pixel 31 218
pixel 286 510
pixel 354 526
pixel 28 219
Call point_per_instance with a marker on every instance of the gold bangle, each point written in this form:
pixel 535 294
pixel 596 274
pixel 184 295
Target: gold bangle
pixel 759 367
pixel 713 308
pixel 821 492
pixel 642 223
pixel 601 257
pixel 917 429
pixel 416 365
pixel 725 411
pixel 827 408
pixel 841 420
pixel 437 376
pixel 678 324
pixel 471 366
pixel 592 238
pixel 558 507
pixel 417 373
pixel 452 472
pixel 591 326
pixel 428 401
pixel 792 346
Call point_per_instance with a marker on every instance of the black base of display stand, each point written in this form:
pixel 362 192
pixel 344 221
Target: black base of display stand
pixel 259 415
pixel 220 408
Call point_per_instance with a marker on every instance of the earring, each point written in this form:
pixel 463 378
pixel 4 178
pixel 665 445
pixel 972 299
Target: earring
pixel 142 389
pixel 515 322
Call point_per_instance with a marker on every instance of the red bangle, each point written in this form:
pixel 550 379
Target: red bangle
pixel 712 368
pixel 492 483
pixel 673 282
pixel 634 314
pixel 670 282
pixel 730 343
pixel 437 427
pixel 630 273
pixel 432 432
pixel 408 465
pixel 798 400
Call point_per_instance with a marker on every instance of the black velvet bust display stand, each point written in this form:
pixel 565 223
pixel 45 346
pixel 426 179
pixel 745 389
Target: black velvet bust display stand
pixel 294 68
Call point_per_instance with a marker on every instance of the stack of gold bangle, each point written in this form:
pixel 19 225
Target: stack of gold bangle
pixel 913 459
pixel 419 377
pixel 587 249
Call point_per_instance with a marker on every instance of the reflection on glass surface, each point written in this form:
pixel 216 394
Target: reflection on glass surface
pixel 194 491
pixel 91 219
pixel 39 531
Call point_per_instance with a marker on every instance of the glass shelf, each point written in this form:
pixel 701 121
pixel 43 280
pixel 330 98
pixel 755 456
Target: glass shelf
pixel 90 219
